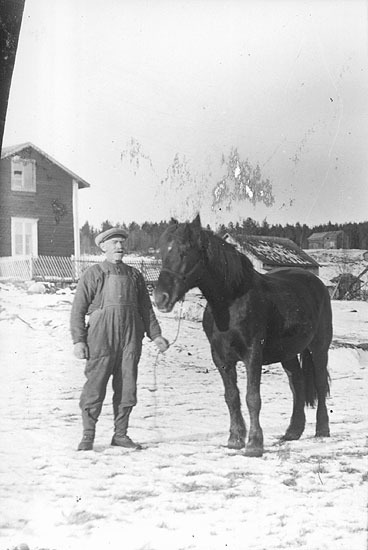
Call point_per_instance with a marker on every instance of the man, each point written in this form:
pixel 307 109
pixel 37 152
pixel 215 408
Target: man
pixel 115 297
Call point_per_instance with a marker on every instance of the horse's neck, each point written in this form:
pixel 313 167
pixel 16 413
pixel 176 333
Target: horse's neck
pixel 221 288
pixel 212 287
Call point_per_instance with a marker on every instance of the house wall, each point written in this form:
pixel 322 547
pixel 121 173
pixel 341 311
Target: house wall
pixel 55 238
pixel 257 264
pixel 315 245
pixel 339 240
pixel 342 241
pixel 332 242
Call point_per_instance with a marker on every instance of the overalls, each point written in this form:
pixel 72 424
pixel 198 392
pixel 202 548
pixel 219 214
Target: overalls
pixel 114 339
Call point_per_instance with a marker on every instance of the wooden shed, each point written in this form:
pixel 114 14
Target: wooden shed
pixel 268 253
pixel 328 239
pixel 38 204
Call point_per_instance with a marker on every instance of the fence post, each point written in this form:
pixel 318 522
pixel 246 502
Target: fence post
pixel 31 267
pixel 76 268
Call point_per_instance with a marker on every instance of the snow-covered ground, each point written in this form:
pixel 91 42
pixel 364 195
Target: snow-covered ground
pixel 185 490
pixel 334 263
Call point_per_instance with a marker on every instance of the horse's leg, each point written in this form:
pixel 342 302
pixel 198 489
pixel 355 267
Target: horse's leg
pixel 320 359
pixel 229 377
pixel 255 439
pixel 296 382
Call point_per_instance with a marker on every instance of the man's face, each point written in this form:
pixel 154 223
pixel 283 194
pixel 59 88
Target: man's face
pixel 114 249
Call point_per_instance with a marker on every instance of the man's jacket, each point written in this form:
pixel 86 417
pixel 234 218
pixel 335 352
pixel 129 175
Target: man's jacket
pixel 90 297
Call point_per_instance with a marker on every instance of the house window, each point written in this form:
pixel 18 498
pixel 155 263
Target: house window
pixel 24 237
pixel 23 174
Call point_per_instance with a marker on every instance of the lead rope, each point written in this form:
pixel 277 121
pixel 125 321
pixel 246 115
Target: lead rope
pixel 177 331
pixel 179 323
pixel 154 388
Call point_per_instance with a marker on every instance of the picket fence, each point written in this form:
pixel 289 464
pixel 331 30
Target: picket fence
pixel 65 269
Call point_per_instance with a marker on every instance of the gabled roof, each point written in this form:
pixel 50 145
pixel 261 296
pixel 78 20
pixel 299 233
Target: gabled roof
pixel 274 251
pixel 324 235
pixel 16 149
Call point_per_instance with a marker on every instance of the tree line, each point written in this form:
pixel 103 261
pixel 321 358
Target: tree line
pixel 144 238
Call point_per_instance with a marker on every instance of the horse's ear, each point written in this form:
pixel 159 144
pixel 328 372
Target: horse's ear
pixel 197 222
pixel 195 230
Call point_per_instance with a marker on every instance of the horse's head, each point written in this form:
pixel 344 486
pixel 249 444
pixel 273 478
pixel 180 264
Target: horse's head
pixel 182 263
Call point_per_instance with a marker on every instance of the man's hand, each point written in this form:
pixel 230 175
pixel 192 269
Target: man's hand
pixel 161 343
pixel 81 350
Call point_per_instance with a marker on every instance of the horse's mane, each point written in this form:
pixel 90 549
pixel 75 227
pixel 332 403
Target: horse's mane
pixel 234 267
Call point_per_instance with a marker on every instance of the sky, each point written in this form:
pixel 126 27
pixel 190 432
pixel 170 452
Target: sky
pixel 144 99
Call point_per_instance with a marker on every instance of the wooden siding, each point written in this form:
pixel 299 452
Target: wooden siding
pixel 55 238
pixel 328 239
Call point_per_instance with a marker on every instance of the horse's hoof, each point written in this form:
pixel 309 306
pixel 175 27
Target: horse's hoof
pixel 323 433
pixel 291 436
pixel 236 443
pixel 254 451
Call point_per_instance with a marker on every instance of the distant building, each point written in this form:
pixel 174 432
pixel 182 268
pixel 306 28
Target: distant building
pixel 268 253
pixel 328 239
pixel 38 204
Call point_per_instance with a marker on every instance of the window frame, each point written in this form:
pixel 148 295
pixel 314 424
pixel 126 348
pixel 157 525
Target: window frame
pixel 34 233
pixel 14 181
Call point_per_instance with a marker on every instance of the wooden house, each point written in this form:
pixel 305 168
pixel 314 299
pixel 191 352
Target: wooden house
pixel 328 239
pixel 268 253
pixel 38 204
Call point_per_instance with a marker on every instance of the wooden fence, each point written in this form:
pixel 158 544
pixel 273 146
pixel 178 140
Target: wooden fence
pixel 65 269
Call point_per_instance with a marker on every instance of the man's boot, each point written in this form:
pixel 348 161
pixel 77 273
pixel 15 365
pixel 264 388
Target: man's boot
pixel 89 428
pixel 87 440
pixel 120 437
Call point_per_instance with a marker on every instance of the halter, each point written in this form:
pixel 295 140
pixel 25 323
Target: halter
pixel 179 275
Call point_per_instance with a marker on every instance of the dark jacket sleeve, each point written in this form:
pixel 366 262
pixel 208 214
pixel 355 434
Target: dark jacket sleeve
pixel 151 325
pixel 84 296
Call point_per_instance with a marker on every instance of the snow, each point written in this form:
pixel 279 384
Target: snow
pixel 185 490
pixel 335 262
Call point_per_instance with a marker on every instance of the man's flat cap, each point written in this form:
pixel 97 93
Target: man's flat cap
pixel 109 234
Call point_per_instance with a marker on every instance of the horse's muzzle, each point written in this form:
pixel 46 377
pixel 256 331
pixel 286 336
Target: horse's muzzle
pixel 162 301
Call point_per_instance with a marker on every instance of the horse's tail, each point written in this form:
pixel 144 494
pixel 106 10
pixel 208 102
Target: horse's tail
pixel 309 378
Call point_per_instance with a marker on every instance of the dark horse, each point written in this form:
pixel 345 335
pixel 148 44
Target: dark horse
pixel 254 318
